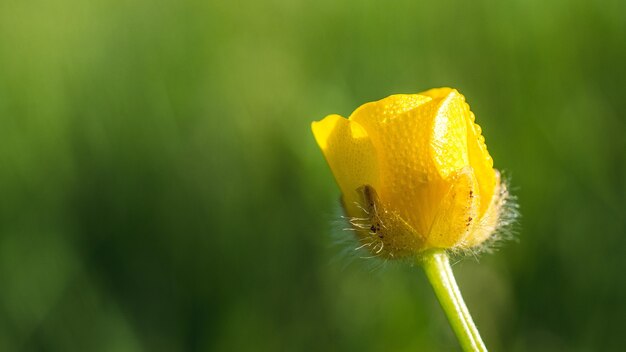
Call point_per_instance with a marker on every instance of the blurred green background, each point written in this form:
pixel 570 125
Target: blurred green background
pixel 160 189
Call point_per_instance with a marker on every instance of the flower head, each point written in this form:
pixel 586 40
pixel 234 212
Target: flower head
pixel 414 172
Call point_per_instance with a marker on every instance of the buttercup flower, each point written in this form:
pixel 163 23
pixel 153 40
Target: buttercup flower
pixel 414 172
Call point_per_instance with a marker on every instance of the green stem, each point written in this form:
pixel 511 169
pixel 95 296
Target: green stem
pixel 439 273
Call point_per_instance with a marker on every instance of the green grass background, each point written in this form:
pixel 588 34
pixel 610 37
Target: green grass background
pixel 160 189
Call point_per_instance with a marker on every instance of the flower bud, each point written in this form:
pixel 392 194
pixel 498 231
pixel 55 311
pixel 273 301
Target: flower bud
pixel 414 172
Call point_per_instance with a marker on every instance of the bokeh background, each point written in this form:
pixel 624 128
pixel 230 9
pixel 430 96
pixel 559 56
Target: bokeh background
pixel 160 189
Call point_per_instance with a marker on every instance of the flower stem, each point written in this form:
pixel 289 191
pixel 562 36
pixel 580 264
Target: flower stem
pixel 437 267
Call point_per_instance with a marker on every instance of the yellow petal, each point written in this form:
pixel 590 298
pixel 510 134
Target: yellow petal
pixel 449 134
pixel 351 156
pixel 482 163
pixel 450 157
pixel 399 127
pixel 457 211
pixel 389 107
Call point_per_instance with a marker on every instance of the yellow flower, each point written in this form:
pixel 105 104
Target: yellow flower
pixel 414 172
